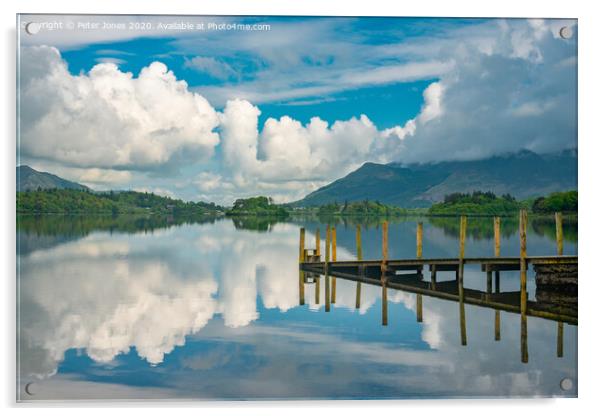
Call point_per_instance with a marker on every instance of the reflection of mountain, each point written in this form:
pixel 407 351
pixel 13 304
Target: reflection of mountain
pixel 29 179
pixel 523 175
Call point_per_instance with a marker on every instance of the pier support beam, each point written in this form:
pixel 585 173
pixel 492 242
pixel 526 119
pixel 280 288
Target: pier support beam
pixel 418 307
pixel 317 252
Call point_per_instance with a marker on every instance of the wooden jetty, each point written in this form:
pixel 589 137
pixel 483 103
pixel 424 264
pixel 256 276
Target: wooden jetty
pixel 408 275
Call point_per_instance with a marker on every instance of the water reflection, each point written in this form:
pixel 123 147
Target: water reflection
pixel 209 310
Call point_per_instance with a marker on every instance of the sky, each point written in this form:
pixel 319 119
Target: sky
pixel 219 108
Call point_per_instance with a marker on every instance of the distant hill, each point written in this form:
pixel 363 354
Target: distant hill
pixel 523 175
pixel 29 179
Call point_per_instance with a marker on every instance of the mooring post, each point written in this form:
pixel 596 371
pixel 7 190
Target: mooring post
pixel 461 280
pixel 385 244
pixel 383 270
pixel 333 237
pixel 326 269
pixel 523 286
pixel 496 249
pixel 560 340
pixel 317 252
pixel 418 307
pixel 419 240
pixel 496 253
pixel 358 244
pixel 301 260
pixel 301 245
pixel 559 237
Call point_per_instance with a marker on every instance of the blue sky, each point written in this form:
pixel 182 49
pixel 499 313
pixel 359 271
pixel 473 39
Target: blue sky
pixel 234 113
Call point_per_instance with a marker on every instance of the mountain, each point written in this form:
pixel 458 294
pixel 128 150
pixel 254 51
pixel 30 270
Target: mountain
pixel 523 175
pixel 29 179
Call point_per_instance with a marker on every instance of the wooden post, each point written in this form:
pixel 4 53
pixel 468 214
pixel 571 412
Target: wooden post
pixel 301 260
pixel 385 246
pixel 560 340
pixel 317 252
pixel 496 236
pixel 433 276
pixel 383 270
pixel 523 286
pixel 496 253
pixel 358 243
pixel 489 280
pixel 418 307
pixel 419 240
pixel 326 268
pixel 461 280
pixel 334 258
pixel 301 245
pixel 496 250
pixel 559 237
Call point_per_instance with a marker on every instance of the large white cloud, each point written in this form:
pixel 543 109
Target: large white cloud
pixel 502 86
pixel 108 118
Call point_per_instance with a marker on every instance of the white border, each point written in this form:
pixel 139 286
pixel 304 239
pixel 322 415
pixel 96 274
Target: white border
pixel 589 186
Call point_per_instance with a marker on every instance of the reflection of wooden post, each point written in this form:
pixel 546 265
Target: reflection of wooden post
pixel 461 280
pixel 317 242
pixel 385 304
pixel 358 244
pixel 523 286
pixel 433 276
pixel 419 240
pixel 418 307
pixel 317 284
pixel 497 325
pixel 326 268
pixel 334 258
pixel 559 238
pixel 560 340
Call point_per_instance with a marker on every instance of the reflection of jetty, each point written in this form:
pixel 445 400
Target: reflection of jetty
pixel 407 275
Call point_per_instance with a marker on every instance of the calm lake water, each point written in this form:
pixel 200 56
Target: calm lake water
pixel 121 308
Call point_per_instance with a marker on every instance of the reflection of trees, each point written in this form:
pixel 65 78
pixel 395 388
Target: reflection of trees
pixel 478 228
pixel 82 225
pixel 545 226
pixel 373 221
pixel 255 223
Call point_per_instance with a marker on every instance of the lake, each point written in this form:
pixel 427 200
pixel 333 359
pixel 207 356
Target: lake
pixel 132 308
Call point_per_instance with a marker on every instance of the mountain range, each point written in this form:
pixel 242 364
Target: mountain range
pixel 523 175
pixel 29 179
